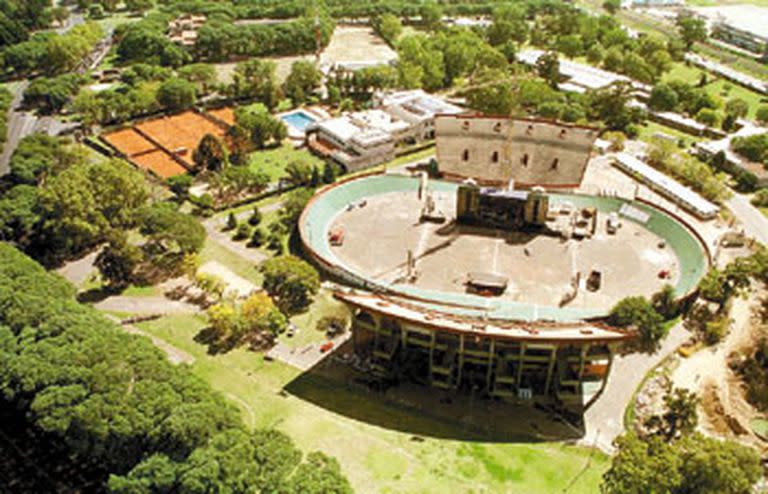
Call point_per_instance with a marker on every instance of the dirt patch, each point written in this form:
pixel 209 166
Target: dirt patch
pixel 356 44
pixel 240 286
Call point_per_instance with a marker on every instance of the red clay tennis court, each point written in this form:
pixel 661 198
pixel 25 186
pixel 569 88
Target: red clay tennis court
pixel 160 163
pixel 226 115
pixel 153 144
pixel 129 142
pixel 180 134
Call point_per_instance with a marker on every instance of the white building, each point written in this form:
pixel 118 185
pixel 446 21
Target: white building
pixel 745 26
pixel 581 77
pixel 418 109
pixel 358 140
pixel 666 186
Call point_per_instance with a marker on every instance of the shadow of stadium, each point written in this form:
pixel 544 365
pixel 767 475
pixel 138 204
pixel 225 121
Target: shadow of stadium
pixel 426 412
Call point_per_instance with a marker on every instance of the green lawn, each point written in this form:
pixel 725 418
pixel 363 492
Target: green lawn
pixel 716 86
pixel 377 459
pixel 648 130
pixel 213 251
pixel 273 161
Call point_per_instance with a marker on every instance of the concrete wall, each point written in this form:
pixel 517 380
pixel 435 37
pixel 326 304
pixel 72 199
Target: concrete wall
pixel 493 150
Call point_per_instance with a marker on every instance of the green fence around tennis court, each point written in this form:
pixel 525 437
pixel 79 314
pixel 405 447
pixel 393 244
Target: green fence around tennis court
pixel 328 203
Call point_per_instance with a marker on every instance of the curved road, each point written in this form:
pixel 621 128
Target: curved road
pixel 754 221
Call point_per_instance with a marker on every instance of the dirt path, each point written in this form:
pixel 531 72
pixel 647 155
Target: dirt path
pixel 77 272
pixel 725 410
pixel 214 226
pixel 175 355
pixel 145 305
pixel 235 283
pixel 604 420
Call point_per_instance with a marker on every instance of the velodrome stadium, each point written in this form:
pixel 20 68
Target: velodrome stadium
pixel 496 276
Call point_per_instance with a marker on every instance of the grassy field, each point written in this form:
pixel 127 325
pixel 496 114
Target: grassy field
pixel 377 459
pixel 273 161
pixel 648 130
pixel 721 88
pixel 213 251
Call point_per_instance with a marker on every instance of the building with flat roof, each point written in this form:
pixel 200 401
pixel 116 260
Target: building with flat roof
pixel 497 150
pixel 418 108
pixel 357 140
pixel 581 77
pixel 668 187
pixel 745 26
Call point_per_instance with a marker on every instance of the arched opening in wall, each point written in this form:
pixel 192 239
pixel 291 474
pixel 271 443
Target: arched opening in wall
pixel 529 130
pixel 465 155
pixel 495 157
pixel 563 133
pixel 365 319
pixel 555 162
pixel 497 127
pixel 465 125
pixel 524 160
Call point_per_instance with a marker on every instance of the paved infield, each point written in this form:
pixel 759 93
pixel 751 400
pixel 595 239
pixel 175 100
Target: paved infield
pixel 539 267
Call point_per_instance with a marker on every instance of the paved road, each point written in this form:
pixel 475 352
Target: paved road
pixel 20 124
pixel 604 420
pixel 755 223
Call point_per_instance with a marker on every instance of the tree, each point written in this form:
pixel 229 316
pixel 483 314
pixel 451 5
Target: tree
pixel 255 122
pixel 665 302
pixel 691 29
pixel 257 238
pixel 293 205
pixel 256 217
pixel 548 67
pixel 290 281
pixel 679 417
pixel 612 6
pixel 389 27
pixel 663 98
pixel 320 474
pixel 180 185
pixel 693 463
pixel 80 205
pixel 211 154
pixel 177 94
pixel 708 117
pixel 299 172
pixel 762 114
pixel 329 173
pixel 117 261
pixel 302 82
pixel 203 75
pixel 256 79
pixel 139 6
pixel 231 222
pixel 638 313
pixel 431 15
pixel 737 107
pixel 171 232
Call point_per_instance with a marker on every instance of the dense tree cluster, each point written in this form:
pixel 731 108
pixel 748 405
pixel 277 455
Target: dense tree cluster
pixel 669 456
pixel 221 40
pixel 51 53
pixel 115 400
pixel 291 282
pixel 255 320
pixel 753 147
pixel 667 157
pixel 19 17
pixel 62 202
pixel 5 104
pixel 692 463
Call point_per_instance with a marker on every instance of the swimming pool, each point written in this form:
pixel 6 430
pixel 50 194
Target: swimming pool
pixel 298 119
